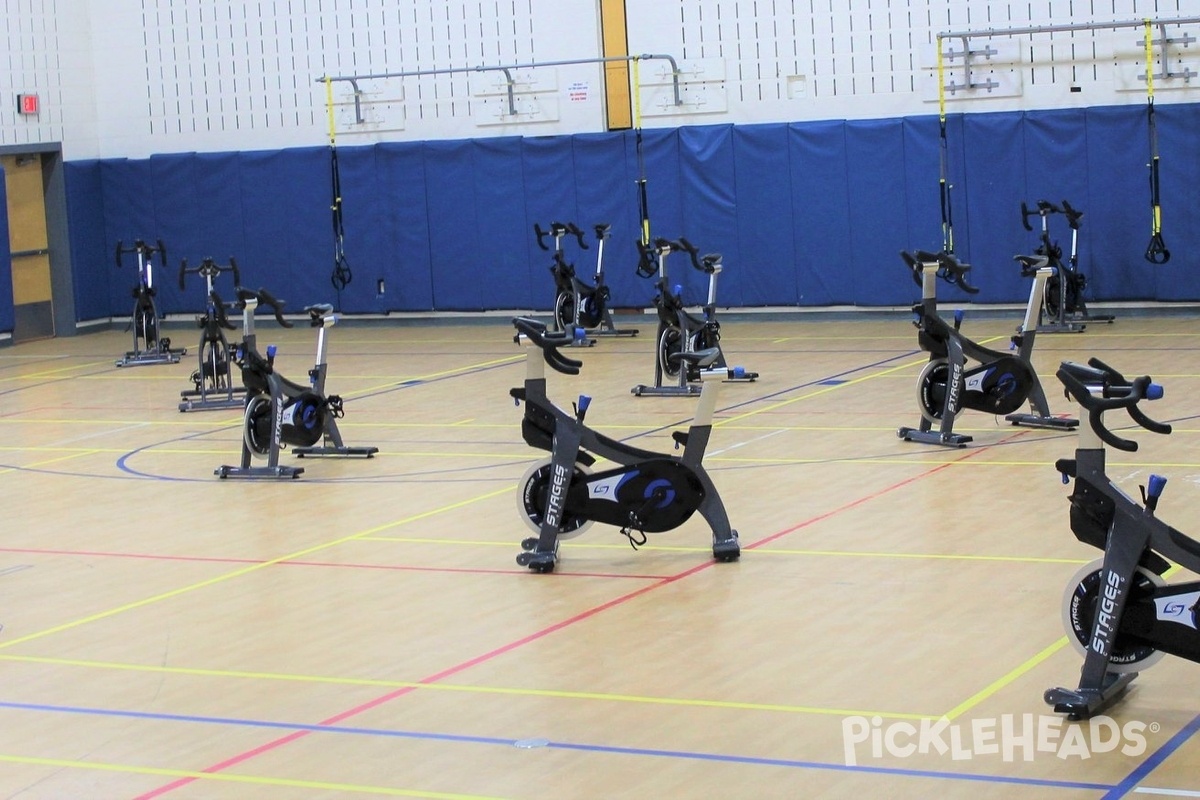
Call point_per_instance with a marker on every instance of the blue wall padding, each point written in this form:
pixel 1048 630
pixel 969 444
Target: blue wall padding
pixel 288 231
pixel 404 263
pixel 809 213
pixel 877 188
pixel 1116 225
pixel 454 225
pixel 820 215
pixel 607 193
pixel 708 187
pixel 6 296
pixel 503 243
pixel 91 253
pixel 762 186
pixel 129 215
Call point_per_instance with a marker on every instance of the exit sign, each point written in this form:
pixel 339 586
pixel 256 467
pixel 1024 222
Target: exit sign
pixel 27 104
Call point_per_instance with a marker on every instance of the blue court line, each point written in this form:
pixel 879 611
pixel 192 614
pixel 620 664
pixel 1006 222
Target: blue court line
pixel 829 380
pixel 1154 761
pixel 587 748
pixel 123 461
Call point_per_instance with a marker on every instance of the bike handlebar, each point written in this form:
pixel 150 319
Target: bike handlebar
pixel 549 343
pixel 1043 210
pixel 263 298
pixel 140 245
pixel 706 264
pixel 1115 391
pixel 950 269
pixel 209 267
pixel 1073 216
pixel 560 229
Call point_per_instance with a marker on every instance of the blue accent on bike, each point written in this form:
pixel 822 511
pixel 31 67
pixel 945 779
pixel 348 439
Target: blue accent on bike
pixel 272 350
pixel 1154 391
pixel 584 402
pixel 1155 486
pixel 658 484
pixel 958 317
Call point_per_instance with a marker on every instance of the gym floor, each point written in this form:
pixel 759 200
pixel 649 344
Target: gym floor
pixel 365 630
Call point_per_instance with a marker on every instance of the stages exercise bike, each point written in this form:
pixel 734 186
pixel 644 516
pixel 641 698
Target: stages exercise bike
pixel 647 492
pixel 1119 611
pixel 578 304
pixel 998 383
pixel 280 413
pixel 1065 309
pixel 680 331
pixel 214 387
pixel 149 345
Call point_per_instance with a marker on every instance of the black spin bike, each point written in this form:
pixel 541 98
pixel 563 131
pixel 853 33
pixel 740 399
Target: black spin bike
pixel 214 386
pixel 647 492
pixel 1119 611
pixel 579 305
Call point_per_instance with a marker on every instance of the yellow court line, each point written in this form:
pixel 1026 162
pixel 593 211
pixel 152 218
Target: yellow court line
pixel 246 570
pixel 428 540
pixel 225 777
pixel 392 383
pixel 1005 680
pixel 39 464
pixel 818 392
pixel 835 387
pixel 50 372
pixel 996 685
pixel 470 689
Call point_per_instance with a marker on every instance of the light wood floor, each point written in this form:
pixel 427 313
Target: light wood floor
pixel 365 630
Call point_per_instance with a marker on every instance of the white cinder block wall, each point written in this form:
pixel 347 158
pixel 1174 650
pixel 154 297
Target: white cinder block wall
pixel 138 77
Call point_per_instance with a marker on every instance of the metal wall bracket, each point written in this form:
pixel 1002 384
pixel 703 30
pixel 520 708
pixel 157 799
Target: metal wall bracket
pixel 504 68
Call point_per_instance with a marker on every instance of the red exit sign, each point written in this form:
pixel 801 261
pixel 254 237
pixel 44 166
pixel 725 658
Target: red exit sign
pixel 27 104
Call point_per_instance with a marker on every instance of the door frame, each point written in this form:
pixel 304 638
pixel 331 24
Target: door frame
pixel 58 236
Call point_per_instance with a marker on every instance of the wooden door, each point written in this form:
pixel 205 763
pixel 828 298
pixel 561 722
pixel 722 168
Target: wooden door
pixel 28 244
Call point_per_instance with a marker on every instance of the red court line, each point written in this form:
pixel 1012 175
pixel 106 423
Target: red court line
pixel 881 492
pixel 583 615
pixel 325 564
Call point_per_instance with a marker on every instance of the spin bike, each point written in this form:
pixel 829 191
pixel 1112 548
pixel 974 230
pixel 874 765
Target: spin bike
pixel 1065 309
pixel 1119 611
pixel 680 331
pixel 999 383
pixel 280 413
pixel 559 497
pixel 149 347
pixel 213 381
pixel 578 304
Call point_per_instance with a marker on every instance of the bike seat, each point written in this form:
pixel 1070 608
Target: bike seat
pixel 699 358
pixel 1031 264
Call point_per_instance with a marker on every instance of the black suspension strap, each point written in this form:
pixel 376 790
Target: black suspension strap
pixel 1156 251
pixel 944 185
pixel 341 265
pixel 646 266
